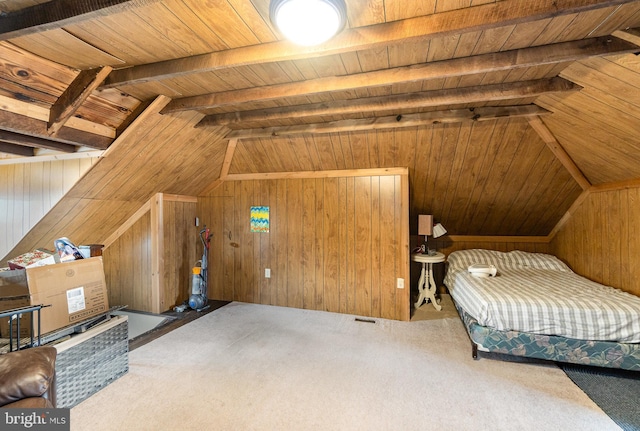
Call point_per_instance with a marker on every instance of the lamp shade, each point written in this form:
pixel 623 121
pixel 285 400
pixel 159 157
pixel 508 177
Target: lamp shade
pixel 425 224
pixel 308 22
pixel 438 230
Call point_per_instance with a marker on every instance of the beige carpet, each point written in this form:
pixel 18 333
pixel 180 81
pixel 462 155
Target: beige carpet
pixel 258 367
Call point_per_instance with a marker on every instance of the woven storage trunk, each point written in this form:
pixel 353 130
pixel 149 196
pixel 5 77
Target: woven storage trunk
pixel 90 361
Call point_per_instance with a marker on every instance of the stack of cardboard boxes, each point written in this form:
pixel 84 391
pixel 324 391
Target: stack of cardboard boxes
pixel 70 293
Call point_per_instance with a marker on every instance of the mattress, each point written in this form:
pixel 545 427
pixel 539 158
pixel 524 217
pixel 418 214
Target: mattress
pixel 539 294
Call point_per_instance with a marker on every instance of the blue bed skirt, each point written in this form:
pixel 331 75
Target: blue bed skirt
pixel 551 347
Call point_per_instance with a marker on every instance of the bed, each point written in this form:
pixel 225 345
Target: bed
pixel 537 307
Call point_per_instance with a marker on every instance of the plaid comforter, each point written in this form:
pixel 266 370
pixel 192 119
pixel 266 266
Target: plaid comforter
pixel 538 293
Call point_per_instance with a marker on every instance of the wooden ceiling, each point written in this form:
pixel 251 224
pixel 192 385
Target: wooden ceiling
pixel 503 111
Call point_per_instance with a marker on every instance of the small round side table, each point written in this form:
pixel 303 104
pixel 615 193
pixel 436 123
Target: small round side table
pixel 426 284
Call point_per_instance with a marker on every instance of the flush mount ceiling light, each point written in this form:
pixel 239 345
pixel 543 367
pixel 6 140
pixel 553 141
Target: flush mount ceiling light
pixel 308 22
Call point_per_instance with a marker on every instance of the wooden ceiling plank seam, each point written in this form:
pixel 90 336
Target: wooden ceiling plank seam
pixel 312 149
pixel 421 165
pixel 547 172
pixel 593 80
pixel 497 173
pixel 560 200
pixel 518 173
pixel 58 13
pixel 494 92
pixel 435 157
pixel 552 32
pixel 75 95
pixel 172 29
pixel 461 148
pixel 470 19
pixel 482 163
pixel 523 201
pixel 254 20
pixel 450 136
pixel 64 47
pixel 482 63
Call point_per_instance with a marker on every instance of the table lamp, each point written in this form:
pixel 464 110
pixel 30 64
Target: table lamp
pixel 427 228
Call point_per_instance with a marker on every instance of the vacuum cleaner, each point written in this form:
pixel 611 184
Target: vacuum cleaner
pixel 198 299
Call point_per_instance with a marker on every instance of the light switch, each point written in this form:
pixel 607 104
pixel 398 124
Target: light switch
pixel 400 284
pixel 267 273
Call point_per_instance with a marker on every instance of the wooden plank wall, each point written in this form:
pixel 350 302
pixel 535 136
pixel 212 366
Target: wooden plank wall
pixel 180 246
pixel 334 244
pixel 128 261
pixel 29 190
pixel 602 239
pixel 126 267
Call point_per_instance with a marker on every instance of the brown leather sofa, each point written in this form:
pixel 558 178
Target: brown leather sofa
pixel 28 378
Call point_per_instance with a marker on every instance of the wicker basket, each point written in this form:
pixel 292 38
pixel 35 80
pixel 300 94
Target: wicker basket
pixel 90 361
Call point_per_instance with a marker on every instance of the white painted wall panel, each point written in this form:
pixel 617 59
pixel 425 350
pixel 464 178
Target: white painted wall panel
pixel 29 190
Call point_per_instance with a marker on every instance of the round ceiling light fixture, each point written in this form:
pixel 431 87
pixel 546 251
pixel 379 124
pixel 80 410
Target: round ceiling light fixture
pixel 308 22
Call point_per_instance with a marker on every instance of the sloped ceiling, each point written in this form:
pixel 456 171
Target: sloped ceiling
pixel 503 111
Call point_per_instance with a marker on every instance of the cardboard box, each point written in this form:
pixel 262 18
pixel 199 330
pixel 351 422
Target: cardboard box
pixel 14 293
pixel 72 291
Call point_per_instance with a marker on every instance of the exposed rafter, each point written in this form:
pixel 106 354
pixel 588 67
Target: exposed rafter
pixel 17 150
pixel 58 13
pixel 631 35
pixel 36 142
pixel 478 18
pixel 71 99
pixel 31 126
pixel 394 122
pixel 485 63
pixel 557 149
pixel 398 102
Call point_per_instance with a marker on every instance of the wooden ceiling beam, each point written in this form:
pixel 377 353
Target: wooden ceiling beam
pixel 26 125
pixel 399 102
pixel 393 122
pixel 74 96
pixel 471 19
pixel 558 150
pixel 485 63
pixel 59 13
pixel 33 141
pixel 18 150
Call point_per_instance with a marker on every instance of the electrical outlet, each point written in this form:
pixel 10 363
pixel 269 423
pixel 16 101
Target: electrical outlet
pixel 400 283
pixel 267 273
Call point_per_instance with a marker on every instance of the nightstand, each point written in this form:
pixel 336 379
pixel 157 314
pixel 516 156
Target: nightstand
pixel 426 284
